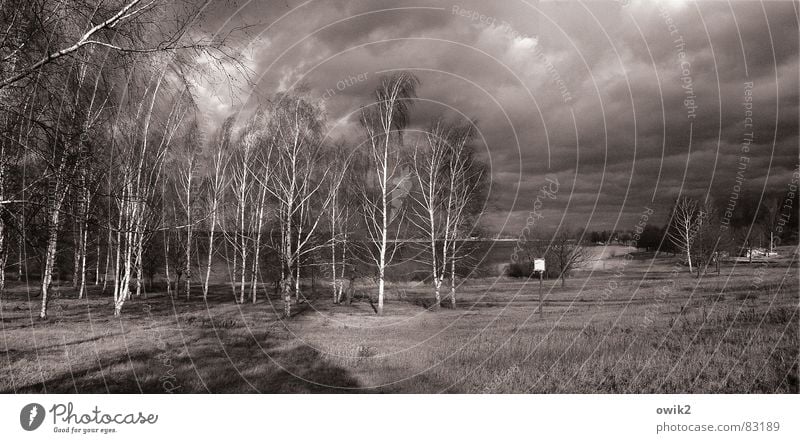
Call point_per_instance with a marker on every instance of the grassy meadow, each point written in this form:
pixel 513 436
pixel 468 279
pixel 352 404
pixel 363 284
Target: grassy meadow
pixel 636 326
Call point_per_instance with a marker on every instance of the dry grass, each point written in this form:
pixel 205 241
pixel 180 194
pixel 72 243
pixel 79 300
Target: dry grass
pixel 737 332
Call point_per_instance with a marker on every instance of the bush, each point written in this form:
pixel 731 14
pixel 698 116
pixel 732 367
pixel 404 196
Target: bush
pixel 525 270
pixel 518 270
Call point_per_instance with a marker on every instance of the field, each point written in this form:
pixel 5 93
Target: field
pixel 638 326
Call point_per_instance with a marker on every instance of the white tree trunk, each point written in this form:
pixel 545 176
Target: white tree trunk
pixel 3 241
pixel 210 252
pixel 242 246
pixel 97 264
pixel 453 276
pixel 50 256
pixel 214 210
pixel 139 238
pixel 82 289
pixel 108 255
pixel 166 263
pixel 334 279
pixel 21 266
pixel 189 232
pixel 3 255
pixel 688 246
pixel 118 255
pixel 257 251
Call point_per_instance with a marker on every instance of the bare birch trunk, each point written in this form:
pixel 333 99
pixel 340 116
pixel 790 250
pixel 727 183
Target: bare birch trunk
pixel 437 278
pixel 21 263
pixel 297 293
pixel 243 248
pixel 108 254
pixel 3 241
pixel 453 274
pixel 384 229
pixel 82 289
pixel 58 194
pixel 133 211
pixel 118 255
pixel 287 295
pixel 334 280
pixel 382 270
pixel 343 264
pixel 166 263
pixel 188 263
pixel 138 262
pixel 50 257
pixel 256 253
pixel 76 255
pixel 97 264
pixel 298 259
pixel 688 249
pixel 189 232
pixel 210 250
pixel 3 262
pixel 3 249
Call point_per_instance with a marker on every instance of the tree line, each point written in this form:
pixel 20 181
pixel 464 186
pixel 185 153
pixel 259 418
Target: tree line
pixel 699 232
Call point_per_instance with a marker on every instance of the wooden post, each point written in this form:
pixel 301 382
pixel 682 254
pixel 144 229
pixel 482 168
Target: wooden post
pixel 541 297
pixel 539 266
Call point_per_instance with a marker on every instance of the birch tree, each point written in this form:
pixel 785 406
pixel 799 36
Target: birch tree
pixel 706 240
pixel 384 122
pixel 464 188
pixel 340 217
pixel 143 149
pixel 58 30
pixel 216 186
pixel 185 164
pixel 244 193
pixel 687 219
pixel 429 162
pixel 261 174
pixel 54 53
pixel 79 107
pixel 296 182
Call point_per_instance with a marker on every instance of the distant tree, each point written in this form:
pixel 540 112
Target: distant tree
pixel 707 239
pixel 565 254
pixel 651 237
pixel 686 219
pixel 788 216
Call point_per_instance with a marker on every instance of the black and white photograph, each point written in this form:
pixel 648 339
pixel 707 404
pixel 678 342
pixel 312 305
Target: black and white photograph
pixel 397 197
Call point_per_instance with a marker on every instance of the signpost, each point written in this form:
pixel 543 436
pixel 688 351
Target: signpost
pixel 538 267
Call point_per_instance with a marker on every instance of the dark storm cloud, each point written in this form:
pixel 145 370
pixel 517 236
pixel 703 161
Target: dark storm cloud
pixel 598 101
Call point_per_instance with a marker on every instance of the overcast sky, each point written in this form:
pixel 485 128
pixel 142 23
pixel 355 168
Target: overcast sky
pixel 625 103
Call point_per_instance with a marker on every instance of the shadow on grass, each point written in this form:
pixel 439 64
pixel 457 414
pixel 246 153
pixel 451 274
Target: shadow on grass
pixel 203 363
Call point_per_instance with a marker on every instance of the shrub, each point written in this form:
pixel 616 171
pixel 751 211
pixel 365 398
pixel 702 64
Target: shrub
pixel 518 270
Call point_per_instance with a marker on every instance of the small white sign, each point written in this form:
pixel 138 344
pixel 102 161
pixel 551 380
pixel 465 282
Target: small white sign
pixel 538 265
